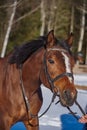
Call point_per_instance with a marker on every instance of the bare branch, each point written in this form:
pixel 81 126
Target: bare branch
pixel 27 14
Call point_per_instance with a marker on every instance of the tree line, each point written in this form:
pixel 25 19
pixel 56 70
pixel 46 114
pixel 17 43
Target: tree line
pixel 33 18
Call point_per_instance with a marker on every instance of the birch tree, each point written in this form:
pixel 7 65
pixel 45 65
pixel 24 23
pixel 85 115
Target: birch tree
pixel 8 29
pixel 82 28
pixel 72 20
pixel 86 55
pixel 47 15
pixel 51 21
pixel 43 17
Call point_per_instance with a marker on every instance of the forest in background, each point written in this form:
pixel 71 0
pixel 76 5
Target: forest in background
pixel 33 18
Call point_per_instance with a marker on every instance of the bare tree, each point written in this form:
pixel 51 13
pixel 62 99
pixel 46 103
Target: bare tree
pixel 51 21
pixel 82 28
pixel 43 18
pixel 86 55
pixel 72 20
pixel 48 15
pixel 8 29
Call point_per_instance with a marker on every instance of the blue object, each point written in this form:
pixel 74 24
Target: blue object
pixel 18 126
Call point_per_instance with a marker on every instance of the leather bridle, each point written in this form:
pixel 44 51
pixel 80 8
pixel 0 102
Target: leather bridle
pixel 55 94
pixel 52 80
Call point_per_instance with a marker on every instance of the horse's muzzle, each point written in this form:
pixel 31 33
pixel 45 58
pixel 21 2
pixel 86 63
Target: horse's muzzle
pixel 68 97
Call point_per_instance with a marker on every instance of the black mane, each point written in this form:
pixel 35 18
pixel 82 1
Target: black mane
pixel 21 53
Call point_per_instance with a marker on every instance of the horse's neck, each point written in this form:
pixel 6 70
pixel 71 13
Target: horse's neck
pixel 31 70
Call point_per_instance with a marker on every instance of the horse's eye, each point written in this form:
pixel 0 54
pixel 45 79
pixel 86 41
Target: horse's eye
pixel 51 61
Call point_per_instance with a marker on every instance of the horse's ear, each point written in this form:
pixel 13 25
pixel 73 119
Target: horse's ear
pixel 69 40
pixel 50 42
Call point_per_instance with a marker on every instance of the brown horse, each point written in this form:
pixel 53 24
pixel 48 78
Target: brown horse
pixel 45 60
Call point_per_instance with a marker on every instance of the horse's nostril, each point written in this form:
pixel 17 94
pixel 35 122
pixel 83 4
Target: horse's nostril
pixel 64 91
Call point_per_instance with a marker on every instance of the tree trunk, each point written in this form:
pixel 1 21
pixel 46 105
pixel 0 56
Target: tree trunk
pixel 43 16
pixel 51 22
pixel 72 20
pixel 8 30
pixel 82 28
pixel 86 55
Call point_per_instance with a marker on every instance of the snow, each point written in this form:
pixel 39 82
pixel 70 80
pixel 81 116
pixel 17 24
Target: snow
pixel 81 79
pixel 58 117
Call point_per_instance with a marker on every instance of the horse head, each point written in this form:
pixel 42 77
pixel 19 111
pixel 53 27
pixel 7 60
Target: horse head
pixel 57 69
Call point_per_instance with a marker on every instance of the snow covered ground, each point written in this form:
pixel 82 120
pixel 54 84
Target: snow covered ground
pixel 58 117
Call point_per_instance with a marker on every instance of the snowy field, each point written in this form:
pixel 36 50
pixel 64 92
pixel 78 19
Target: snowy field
pixel 58 117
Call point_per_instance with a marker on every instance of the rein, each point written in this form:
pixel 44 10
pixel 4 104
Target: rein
pixel 23 89
pixel 74 113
